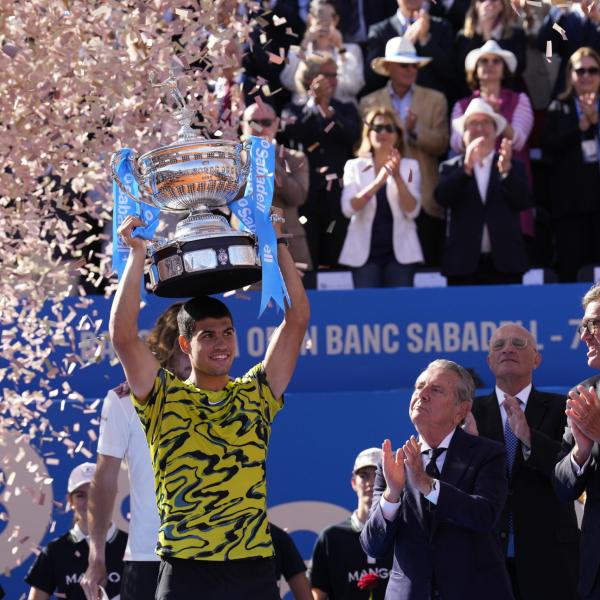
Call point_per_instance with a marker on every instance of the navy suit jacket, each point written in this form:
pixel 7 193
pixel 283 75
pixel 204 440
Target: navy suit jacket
pixel 569 487
pixel 466 215
pixel 461 551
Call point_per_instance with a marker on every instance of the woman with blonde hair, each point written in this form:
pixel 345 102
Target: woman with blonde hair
pixel 490 20
pixel 381 198
pixel 570 141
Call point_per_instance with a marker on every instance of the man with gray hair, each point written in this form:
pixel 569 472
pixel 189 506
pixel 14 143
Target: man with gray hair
pixel 438 498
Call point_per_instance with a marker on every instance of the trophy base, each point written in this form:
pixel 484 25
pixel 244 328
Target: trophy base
pixel 207 265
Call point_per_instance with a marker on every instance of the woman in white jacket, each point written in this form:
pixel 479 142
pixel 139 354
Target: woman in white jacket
pixel 382 200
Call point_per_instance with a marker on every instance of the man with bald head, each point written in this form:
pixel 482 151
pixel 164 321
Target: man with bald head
pixel 540 534
pixel 291 178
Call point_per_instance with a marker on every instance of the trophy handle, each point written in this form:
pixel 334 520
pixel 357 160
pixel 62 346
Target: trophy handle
pixel 114 161
pixel 244 166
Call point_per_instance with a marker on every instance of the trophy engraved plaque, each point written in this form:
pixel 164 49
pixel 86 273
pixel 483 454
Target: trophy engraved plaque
pixel 194 175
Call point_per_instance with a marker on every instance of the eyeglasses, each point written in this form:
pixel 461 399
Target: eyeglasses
pixel 474 123
pixel 590 326
pixel 515 342
pixel 262 122
pixel 586 71
pixel 490 61
pixel 379 128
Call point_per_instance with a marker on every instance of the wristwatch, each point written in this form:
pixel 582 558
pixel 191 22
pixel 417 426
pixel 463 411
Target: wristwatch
pixel 282 240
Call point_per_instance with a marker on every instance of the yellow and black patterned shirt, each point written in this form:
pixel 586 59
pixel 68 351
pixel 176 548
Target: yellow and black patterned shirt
pixel 209 451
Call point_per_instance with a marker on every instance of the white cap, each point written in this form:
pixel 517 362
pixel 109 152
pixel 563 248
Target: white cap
pixel 478 106
pixel 370 457
pixel 80 475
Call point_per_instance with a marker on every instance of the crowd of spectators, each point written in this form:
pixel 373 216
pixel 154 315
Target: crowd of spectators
pixel 371 99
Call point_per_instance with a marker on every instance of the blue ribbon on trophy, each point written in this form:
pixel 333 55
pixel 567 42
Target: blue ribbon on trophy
pixel 253 211
pixel 123 206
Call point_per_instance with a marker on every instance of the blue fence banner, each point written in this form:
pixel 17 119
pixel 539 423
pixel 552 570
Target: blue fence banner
pixel 253 211
pixel 364 340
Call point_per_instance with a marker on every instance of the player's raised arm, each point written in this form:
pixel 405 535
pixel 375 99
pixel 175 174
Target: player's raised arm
pixel 284 347
pixel 138 362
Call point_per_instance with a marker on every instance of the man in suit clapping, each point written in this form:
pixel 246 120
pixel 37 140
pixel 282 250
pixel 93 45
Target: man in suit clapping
pixel 437 500
pixel 538 531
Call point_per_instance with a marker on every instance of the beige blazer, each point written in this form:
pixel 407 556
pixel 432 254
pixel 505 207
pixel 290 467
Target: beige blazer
pixel 291 191
pixel 431 142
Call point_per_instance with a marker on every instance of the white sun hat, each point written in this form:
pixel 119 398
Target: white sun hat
pixel 478 106
pixel 491 47
pixel 398 50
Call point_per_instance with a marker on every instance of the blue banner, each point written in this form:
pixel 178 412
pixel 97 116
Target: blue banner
pixel 253 210
pixel 363 339
pixel 124 205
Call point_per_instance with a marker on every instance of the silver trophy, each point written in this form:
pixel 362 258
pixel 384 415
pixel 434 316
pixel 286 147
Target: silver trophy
pixel 197 176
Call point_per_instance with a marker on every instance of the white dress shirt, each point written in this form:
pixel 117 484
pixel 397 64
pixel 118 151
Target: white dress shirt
pixel 482 171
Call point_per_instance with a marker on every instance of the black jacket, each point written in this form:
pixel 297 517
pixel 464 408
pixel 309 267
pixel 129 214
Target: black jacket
pixel 440 46
pixel 574 185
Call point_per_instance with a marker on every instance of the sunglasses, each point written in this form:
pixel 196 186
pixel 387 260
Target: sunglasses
pixel 490 61
pixel 587 71
pixel 379 128
pixel 515 342
pixel 262 122
pixel 414 66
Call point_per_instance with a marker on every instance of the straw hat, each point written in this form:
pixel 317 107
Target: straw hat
pixel 478 106
pixel 490 47
pixel 398 50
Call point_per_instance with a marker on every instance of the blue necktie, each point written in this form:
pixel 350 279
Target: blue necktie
pixel 512 443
